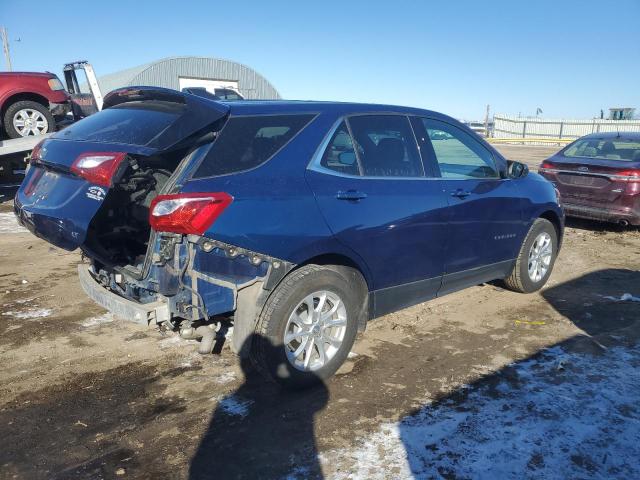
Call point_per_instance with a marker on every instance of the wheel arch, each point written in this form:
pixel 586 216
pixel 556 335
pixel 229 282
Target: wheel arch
pixel 251 301
pixel 20 96
pixel 555 220
pixel 353 272
pixel 339 260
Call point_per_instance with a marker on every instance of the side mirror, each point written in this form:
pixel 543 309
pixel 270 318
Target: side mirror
pixel 517 170
pixel 347 158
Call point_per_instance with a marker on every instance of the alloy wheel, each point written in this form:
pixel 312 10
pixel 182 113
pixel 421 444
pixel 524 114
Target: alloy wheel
pixel 540 257
pixel 315 330
pixel 30 122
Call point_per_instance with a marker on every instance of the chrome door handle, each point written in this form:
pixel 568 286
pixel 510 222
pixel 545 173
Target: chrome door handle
pixel 459 193
pixel 351 195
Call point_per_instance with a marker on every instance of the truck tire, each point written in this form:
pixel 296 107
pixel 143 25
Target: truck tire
pixel 307 327
pixel 27 118
pixel 536 258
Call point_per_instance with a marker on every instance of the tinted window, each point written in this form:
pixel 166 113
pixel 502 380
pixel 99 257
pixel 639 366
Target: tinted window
pixel 132 123
pixel 617 149
pixel 340 155
pixel 458 154
pixel 227 94
pixel 246 142
pixel 386 146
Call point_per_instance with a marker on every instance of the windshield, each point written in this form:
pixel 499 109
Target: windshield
pixel 616 149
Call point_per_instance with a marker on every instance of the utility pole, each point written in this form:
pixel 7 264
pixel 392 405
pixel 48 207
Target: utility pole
pixel 5 47
pixel 486 123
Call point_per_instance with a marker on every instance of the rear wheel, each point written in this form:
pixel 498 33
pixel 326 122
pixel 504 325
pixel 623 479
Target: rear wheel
pixel 27 118
pixel 536 258
pixel 307 327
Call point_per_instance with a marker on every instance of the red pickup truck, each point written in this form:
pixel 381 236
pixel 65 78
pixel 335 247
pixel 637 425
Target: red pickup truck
pixel 31 103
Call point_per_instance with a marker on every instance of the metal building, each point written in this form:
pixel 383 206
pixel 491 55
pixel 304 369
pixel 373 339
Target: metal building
pixel 181 72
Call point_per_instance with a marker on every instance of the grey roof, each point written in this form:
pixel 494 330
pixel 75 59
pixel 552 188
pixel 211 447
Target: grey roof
pixel 165 73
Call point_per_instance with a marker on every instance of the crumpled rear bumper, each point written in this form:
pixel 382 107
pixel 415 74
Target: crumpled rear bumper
pixel 143 313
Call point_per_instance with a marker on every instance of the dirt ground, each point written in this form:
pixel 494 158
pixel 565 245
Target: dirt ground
pixel 85 395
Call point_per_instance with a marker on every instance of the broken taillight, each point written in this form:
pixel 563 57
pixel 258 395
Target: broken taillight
pixel 98 167
pixel 187 213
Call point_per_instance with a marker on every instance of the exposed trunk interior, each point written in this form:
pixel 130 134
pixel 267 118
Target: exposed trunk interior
pixel 119 233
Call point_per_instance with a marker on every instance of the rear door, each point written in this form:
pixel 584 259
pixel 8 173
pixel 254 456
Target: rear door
pixel 57 202
pixel 372 190
pixel 485 211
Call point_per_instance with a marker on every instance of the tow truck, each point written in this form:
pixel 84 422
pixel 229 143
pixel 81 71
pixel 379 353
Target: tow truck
pixel 15 152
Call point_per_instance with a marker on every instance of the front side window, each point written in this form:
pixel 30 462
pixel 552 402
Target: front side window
pixel 247 142
pixel 385 146
pixel 458 154
pixel 617 149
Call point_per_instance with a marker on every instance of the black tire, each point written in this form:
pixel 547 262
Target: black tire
pixel 26 104
pixel 519 280
pixel 268 351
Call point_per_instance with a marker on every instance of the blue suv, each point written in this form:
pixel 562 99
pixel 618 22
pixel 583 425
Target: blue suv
pixel 293 221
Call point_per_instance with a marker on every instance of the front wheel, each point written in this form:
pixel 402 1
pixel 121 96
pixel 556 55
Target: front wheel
pixel 307 327
pixel 536 258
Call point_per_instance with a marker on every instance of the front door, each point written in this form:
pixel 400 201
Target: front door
pixel 485 211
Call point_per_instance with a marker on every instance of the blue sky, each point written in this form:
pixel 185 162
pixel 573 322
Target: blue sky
pixel 570 58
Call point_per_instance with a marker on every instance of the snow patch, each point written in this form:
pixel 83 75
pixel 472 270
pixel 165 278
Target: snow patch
pixel 30 314
pixel 226 377
pixel 581 421
pixel 626 297
pixel 9 224
pixel 234 405
pixel 98 320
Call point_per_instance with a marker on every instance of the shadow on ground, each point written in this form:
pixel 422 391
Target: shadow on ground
pixel 239 442
pixel 569 411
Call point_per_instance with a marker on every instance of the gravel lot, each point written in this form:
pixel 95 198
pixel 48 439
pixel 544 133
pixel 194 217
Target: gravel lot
pixel 484 383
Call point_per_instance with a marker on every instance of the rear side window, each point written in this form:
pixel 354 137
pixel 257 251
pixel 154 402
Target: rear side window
pixel 386 146
pixel 624 150
pixel 458 154
pixel 247 142
pixel 131 123
pixel 340 155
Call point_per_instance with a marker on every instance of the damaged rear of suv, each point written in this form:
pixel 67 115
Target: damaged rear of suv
pixel 140 187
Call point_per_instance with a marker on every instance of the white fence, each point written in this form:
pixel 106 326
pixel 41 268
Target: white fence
pixel 532 128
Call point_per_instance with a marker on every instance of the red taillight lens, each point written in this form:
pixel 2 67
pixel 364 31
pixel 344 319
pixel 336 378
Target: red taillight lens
pixel 546 166
pixel 187 213
pixel 98 167
pixel 33 181
pixel 629 175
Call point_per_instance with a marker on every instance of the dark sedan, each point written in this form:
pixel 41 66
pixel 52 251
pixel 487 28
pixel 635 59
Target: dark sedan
pixel 598 177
